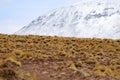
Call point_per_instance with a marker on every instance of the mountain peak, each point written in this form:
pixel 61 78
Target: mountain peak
pixel 107 2
pixel 88 19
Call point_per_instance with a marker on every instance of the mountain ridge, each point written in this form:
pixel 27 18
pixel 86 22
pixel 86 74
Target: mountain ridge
pixel 90 19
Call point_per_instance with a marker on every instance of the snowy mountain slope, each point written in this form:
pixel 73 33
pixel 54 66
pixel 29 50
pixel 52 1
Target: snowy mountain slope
pixel 86 19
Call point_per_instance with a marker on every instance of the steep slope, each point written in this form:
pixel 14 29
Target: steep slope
pixel 88 19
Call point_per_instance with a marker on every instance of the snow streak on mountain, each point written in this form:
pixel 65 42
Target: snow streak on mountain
pixel 86 19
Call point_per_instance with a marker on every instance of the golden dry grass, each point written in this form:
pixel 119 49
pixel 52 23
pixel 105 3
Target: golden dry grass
pixel 82 57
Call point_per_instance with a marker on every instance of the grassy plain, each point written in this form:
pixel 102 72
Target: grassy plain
pixel 58 58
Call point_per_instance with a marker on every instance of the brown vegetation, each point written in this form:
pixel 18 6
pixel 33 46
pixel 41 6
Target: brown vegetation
pixel 58 58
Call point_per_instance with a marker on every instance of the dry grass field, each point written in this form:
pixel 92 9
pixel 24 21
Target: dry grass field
pixel 58 58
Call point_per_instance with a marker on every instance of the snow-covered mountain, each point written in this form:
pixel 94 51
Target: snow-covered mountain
pixel 86 19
